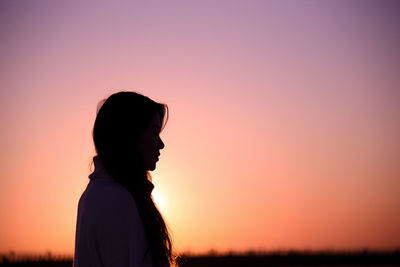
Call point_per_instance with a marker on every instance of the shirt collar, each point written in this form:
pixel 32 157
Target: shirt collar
pixel 100 172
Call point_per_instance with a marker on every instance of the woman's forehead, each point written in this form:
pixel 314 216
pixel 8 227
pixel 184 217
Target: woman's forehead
pixel 156 120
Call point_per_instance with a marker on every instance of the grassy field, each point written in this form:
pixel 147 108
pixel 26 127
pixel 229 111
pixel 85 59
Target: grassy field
pixel 250 259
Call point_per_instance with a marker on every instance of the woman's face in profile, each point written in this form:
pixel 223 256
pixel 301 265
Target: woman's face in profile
pixel 150 143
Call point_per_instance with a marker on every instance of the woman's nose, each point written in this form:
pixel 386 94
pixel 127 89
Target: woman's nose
pixel 161 144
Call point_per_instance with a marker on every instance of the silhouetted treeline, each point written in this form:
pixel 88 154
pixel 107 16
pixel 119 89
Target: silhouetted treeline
pixel 248 259
pixel 293 258
pixel 39 260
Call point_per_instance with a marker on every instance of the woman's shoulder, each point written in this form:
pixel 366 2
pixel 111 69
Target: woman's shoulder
pixel 107 210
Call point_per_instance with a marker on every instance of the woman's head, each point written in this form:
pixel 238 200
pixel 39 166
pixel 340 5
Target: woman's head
pixel 126 137
pixel 126 132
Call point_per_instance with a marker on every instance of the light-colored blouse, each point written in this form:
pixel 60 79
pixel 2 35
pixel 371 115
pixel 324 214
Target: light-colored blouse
pixel 109 230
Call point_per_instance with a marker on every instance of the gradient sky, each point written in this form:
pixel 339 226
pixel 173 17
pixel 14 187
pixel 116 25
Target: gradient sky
pixel 284 118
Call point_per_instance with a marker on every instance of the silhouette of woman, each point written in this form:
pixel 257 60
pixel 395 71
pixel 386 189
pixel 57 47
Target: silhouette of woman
pixel 118 223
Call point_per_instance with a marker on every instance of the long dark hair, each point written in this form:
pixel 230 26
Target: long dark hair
pixel 120 120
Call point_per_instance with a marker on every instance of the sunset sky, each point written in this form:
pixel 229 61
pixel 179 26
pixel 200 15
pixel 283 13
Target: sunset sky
pixel 284 127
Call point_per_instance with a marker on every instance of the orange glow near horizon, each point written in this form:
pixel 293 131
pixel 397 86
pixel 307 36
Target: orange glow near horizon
pixel 283 130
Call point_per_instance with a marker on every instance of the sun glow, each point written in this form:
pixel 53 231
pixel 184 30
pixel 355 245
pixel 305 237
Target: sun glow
pixel 160 201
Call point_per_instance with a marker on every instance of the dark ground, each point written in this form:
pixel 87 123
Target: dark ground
pixel 250 259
